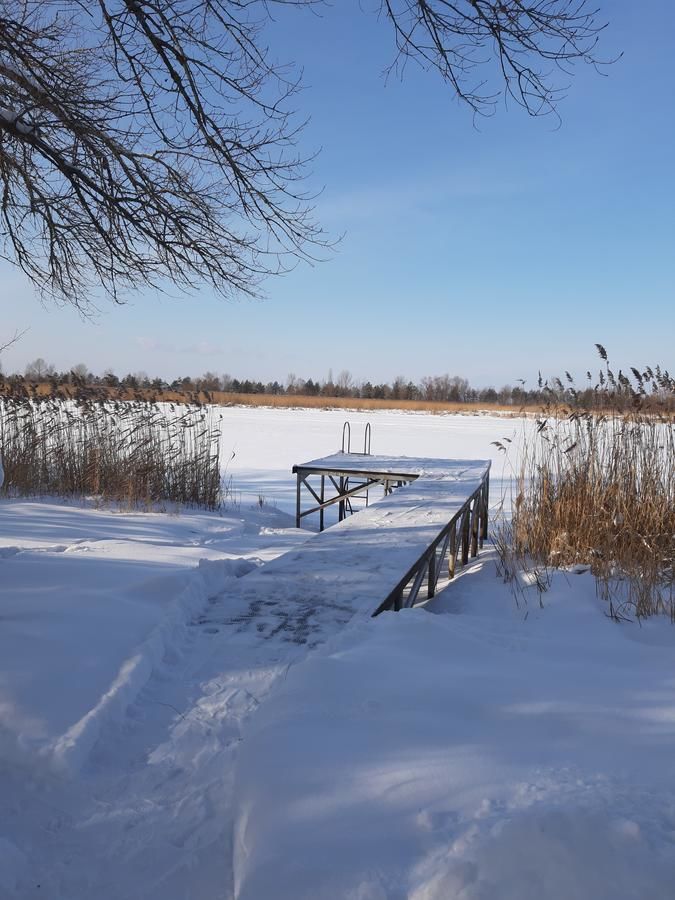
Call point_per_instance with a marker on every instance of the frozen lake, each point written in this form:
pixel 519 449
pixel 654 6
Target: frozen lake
pixel 267 443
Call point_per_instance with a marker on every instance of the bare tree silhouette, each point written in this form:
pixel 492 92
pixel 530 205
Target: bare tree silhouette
pixel 146 142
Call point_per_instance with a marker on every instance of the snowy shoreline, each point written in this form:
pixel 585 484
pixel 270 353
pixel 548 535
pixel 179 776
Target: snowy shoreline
pixel 167 731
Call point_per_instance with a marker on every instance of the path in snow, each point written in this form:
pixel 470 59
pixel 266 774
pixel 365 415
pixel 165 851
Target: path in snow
pixel 483 753
pixel 117 827
pixel 152 804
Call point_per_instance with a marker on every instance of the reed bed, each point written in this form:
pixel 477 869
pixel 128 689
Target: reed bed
pixel 275 401
pixel 298 401
pixel 598 491
pixel 129 452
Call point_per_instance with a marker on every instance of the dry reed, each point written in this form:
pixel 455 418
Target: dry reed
pixel 598 490
pixel 297 401
pixel 135 453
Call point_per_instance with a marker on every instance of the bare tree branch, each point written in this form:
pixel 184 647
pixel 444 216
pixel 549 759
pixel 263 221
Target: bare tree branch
pixel 146 142
pixel 13 340
pixel 143 141
pixel 522 45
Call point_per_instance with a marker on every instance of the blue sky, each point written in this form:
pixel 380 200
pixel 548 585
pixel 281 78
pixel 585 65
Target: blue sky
pixel 488 252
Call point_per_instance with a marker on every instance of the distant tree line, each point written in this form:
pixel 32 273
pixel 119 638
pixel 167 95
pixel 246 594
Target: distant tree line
pixel 439 388
pixel 651 386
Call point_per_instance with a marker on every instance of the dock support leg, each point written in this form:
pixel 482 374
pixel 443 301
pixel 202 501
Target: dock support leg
pixel 297 503
pixel 323 485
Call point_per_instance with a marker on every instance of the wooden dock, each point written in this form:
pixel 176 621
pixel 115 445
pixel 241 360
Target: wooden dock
pixel 434 514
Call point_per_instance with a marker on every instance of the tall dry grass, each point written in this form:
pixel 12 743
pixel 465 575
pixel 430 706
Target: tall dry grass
pixel 135 453
pixel 598 490
pixel 277 401
pixel 297 401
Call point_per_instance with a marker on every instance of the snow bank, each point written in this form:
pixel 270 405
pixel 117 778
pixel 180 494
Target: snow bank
pixel 486 755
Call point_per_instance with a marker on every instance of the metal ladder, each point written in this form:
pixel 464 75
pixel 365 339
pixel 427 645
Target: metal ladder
pixel 344 481
pixel 347 439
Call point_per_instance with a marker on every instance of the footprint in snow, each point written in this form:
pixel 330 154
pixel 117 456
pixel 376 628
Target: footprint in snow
pixel 6 552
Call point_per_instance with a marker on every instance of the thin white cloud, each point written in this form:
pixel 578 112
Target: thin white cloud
pixel 199 348
pixel 202 348
pixel 397 198
pixel 152 345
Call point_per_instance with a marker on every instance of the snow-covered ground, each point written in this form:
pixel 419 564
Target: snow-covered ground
pixel 166 733
pixel 467 752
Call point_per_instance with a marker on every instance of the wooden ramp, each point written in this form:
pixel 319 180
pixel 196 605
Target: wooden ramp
pixel 383 556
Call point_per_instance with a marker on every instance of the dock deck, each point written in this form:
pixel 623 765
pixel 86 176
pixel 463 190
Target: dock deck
pixel 432 509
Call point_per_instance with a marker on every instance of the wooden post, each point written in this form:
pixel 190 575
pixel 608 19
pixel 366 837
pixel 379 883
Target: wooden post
pixel 481 515
pixel 486 501
pixel 475 526
pixel 452 552
pixel 465 537
pixel 431 585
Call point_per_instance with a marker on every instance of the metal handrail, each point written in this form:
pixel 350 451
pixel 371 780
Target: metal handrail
pixel 472 518
pixel 347 429
pixel 347 437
